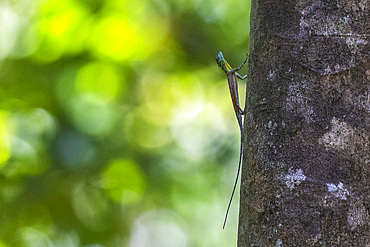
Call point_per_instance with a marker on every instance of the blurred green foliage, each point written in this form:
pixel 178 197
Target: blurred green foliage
pixel 116 126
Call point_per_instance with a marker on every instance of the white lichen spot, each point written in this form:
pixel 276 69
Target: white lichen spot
pixel 280 164
pixel 362 102
pixel 338 137
pixel 362 4
pixel 271 126
pixel 343 137
pixel 294 178
pixel 298 102
pixel 337 67
pixel 355 43
pixel 357 215
pixel 279 243
pixel 346 19
pixel 338 190
pixel 327 70
pixel 271 76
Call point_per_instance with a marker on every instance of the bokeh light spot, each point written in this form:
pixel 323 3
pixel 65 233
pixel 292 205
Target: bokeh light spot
pixel 147 134
pixel 24 159
pixel 114 37
pixel 211 12
pixel 32 130
pixel 35 126
pixel 162 94
pixel 4 138
pixel 32 237
pixel 158 228
pixel 91 114
pixel 28 41
pixel 100 79
pixel 64 28
pixel 9 27
pixel 198 129
pixel 91 207
pixel 75 151
pixel 123 181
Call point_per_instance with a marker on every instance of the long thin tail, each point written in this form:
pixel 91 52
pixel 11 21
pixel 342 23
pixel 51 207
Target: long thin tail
pixel 236 180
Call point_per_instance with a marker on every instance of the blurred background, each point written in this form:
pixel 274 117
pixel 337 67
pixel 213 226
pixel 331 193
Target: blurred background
pixel 116 125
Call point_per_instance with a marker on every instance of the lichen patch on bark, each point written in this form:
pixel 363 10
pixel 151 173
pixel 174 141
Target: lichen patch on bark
pixel 343 137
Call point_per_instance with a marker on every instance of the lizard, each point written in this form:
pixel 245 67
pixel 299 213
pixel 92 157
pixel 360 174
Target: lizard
pixel 232 75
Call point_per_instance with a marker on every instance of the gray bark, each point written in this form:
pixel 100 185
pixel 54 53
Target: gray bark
pixel 306 171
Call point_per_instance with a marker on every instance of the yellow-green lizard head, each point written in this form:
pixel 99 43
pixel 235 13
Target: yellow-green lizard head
pixel 222 63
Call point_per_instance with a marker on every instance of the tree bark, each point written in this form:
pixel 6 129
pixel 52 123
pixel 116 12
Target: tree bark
pixel 306 175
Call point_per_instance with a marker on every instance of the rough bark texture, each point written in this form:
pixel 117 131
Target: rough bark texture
pixel 306 178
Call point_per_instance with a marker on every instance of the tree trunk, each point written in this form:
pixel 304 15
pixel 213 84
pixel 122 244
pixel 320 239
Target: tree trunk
pixel 306 176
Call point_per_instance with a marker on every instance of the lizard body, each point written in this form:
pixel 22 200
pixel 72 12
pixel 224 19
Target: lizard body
pixel 232 76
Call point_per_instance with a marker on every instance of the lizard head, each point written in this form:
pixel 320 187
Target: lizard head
pixel 222 63
pixel 220 59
